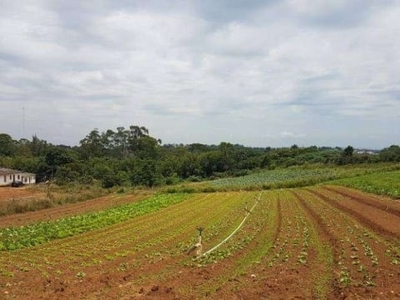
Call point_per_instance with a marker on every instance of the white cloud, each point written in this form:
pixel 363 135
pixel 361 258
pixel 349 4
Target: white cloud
pixel 278 72
pixel 290 134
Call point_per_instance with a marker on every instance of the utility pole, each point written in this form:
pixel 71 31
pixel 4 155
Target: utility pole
pixel 23 122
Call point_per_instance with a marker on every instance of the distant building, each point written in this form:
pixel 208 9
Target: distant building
pixel 7 176
pixel 366 151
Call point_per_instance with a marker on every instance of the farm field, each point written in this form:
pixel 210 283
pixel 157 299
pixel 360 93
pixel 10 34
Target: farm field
pixel 383 183
pixel 24 195
pixel 321 242
pixel 300 176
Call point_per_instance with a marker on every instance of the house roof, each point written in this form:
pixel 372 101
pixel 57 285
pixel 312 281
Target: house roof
pixel 4 171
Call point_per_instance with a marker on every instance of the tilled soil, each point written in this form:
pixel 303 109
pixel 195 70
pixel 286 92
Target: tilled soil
pixel 312 243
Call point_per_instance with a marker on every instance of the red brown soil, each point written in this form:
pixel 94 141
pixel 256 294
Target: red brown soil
pixel 370 223
pixel 383 203
pixel 329 213
pixel 8 193
pixel 381 215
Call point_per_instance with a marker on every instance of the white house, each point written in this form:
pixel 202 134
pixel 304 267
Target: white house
pixel 7 176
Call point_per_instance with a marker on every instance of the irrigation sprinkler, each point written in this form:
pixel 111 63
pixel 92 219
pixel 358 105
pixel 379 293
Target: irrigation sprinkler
pixel 198 246
pixel 248 213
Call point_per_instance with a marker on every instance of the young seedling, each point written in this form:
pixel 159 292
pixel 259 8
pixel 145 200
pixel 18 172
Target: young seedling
pixel 345 277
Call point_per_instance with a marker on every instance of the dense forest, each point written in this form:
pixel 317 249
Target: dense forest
pixel 133 157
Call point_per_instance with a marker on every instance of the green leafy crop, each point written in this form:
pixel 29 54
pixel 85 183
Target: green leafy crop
pixel 13 238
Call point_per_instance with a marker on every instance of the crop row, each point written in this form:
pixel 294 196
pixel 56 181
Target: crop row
pixel 271 177
pixel 309 235
pixel 295 177
pixel 31 235
pixel 361 255
pixel 148 239
pixel 298 247
pixel 295 243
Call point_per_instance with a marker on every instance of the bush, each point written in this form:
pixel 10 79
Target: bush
pixel 194 178
pixel 172 180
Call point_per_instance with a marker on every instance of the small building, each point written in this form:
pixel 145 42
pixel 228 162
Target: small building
pixel 7 176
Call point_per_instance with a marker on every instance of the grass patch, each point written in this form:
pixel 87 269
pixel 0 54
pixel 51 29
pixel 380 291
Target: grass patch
pixel 51 195
pixel 381 183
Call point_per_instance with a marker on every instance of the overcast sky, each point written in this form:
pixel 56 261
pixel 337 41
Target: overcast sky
pixel 257 73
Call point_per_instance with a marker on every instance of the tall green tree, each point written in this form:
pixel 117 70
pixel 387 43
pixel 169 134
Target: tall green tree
pixel 92 145
pixel 38 146
pixel 348 151
pixel 7 145
pixel 227 152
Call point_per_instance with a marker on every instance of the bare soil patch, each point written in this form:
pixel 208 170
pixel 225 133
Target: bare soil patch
pixel 9 193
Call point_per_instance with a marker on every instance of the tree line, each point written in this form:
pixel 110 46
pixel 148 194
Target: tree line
pixel 131 156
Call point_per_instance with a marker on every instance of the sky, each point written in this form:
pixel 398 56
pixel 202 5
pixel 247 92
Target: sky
pixel 257 73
